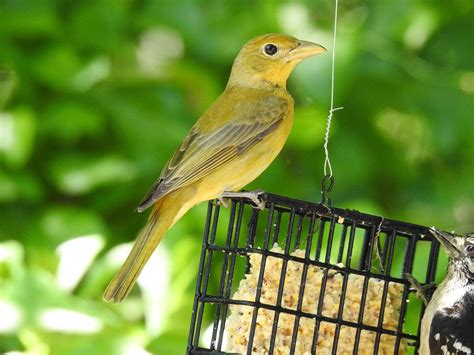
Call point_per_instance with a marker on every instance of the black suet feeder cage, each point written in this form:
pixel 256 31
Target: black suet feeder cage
pixel 337 244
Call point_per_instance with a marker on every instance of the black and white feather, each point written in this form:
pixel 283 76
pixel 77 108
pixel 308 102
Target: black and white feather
pixel 448 323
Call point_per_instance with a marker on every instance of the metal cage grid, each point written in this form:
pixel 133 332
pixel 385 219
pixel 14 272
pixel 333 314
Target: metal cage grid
pixel 346 241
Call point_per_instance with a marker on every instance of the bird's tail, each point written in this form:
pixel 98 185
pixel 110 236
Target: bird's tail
pixel 161 219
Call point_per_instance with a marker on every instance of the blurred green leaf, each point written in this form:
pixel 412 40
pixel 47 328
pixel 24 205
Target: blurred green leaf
pixel 171 343
pixel 8 81
pixel 59 223
pixel 12 261
pixel 95 96
pixel 17 132
pixel 56 66
pixel 94 72
pixel 29 18
pixel 69 121
pixel 73 174
pixel 106 23
pixel 19 186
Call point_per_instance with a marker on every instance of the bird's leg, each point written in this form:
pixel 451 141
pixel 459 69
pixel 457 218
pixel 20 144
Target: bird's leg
pixel 251 195
pixel 421 290
pixel 223 201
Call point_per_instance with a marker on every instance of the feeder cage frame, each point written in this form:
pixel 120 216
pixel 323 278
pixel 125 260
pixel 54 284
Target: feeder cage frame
pixel 344 241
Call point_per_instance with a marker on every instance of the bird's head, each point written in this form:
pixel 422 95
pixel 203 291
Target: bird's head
pixel 270 59
pixel 460 250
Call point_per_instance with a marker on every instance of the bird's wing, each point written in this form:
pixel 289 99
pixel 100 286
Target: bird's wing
pixel 451 327
pixel 203 152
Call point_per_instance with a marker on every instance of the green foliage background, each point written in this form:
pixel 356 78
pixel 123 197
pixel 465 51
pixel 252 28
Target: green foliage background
pixel 96 95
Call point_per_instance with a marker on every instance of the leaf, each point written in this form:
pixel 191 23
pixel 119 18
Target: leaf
pixel 56 66
pixel 19 186
pixel 17 132
pixel 60 223
pixel 75 175
pixel 69 121
pixel 170 343
pixel 8 83
pixel 29 19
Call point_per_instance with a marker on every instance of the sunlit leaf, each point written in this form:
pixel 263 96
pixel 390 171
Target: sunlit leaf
pixel 17 132
pixel 8 81
pixel 75 175
pixel 60 223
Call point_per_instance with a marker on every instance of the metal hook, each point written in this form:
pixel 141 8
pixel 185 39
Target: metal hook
pixel 327 184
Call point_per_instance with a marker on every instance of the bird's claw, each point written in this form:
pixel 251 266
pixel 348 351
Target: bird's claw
pixel 251 195
pixel 421 290
pixel 223 201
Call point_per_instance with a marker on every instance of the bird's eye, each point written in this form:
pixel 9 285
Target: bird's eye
pixel 270 49
pixel 470 250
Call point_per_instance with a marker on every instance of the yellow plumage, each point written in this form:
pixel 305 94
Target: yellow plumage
pixel 228 147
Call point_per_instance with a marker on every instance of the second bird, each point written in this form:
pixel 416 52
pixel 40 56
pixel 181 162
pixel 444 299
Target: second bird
pixel 232 143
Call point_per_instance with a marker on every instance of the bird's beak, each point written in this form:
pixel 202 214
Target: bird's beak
pixel 447 240
pixel 304 50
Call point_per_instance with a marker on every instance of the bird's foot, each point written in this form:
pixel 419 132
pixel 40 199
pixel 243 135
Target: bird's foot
pixel 421 290
pixel 253 196
pixel 223 201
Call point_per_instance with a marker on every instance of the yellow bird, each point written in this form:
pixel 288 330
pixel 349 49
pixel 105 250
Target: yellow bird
pixel 232 143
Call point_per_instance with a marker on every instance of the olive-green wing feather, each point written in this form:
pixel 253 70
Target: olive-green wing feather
pixel 201 153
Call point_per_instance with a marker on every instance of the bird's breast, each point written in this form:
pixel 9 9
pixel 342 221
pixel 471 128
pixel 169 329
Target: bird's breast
pixel 447 326
pixel 249 165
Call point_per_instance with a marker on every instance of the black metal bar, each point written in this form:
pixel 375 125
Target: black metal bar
pixel 206 273
pixel 197 293
pixel 258 291
pixel 366 249
pixel 319 243
pixel 345 280
pixel 432 262
pixel 383 260
pixel 330 240
pixel 340 268
pixel 322 291
pixel 230 230
pixel 276 231
pixel 361 219
pixel 298 231
pixel 383 302
pixel 430 276
pixel 230 277
pixel 304 274
pixel 407 267
pixel 342 243
pixel 320 215
pixel 369 239
pixel 252 227
pixel 214 299
pixel 282 282
pixel 389 248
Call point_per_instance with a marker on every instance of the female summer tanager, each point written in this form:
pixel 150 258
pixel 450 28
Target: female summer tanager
pixel 228 147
